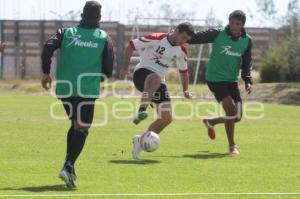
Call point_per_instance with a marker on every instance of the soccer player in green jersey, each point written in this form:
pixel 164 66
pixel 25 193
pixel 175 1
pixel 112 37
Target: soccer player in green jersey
pixel 231 52
pixel 86 53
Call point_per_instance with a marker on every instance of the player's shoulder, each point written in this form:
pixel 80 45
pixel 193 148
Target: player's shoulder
pixel 156 36
pixel 60 32
pixel 248 36
pixel 103 33
pixel 221 28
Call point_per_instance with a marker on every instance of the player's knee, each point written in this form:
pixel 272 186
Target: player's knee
pixel 239 113
pixel 229 107
pixel 154 80
pixel 230 110
pixel 84 131
pixel 238 119
pixel 83 128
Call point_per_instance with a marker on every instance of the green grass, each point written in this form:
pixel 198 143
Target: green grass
pixel 32 149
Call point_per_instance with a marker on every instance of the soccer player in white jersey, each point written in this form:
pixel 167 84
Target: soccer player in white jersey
pixel 158 52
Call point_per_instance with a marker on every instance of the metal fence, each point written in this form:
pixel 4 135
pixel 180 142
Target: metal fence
pixel 25 39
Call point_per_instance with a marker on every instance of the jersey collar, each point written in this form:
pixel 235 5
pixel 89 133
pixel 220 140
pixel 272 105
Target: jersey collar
pixel 168 35
pixel 244 34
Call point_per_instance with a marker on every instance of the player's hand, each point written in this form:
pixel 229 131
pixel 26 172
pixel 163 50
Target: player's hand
pixel 187 94
pixel 46 81
pixel 248 88
pixel 2 47
pixel 123 73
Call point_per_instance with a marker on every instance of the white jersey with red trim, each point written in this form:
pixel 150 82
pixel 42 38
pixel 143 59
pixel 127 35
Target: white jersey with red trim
pixel 158 54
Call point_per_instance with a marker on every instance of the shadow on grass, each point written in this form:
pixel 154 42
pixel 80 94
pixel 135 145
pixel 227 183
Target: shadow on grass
pixel 203 151
pixel 201 155
pixel 137 162
pixel 39 189
pixel 207 156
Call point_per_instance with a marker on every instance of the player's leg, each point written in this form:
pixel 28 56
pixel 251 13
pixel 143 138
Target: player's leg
pixel 82 123
pixel 148 83
pixel 221 120
pixel 67 104
pixel 232 116
pixel 220 91
pixel 233 108
pixel 151 85
pixel 164 113
pixel 163 109
pixel 82 117
pixel 236 97
pixel 230 111
pixel 67 173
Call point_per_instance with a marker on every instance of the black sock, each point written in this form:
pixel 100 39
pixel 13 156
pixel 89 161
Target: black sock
pixel 69 139
pixel 77 143
pixel 141 109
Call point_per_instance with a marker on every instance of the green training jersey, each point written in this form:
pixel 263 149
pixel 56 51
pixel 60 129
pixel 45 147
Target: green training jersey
pixel 80 65
pixel 225 59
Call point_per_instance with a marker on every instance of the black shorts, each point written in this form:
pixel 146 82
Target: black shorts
pixel 222 90
pixel 79 109
pixel 139 77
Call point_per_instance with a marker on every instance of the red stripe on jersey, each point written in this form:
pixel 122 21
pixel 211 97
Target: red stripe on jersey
pixel 132 45
pixel 184 71
pixel 184 49
pixel 156 36
pixel 142 40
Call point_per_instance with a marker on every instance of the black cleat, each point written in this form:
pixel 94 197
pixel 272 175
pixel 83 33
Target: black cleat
pixel 67 174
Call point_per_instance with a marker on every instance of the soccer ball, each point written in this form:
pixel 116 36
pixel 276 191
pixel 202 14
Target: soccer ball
pixel 150 141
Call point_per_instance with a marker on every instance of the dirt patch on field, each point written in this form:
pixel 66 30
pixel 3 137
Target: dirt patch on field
pixel 283 93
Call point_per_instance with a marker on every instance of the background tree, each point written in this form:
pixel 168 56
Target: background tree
pixel 282 61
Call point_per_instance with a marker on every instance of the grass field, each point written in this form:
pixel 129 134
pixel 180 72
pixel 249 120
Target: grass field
pixel 32 149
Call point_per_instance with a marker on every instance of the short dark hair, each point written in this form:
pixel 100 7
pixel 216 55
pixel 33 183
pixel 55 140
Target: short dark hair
pixel 92 10
pixel 239 15
pixel 186 27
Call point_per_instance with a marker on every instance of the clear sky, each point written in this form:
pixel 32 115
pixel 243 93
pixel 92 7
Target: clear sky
pixel 125 10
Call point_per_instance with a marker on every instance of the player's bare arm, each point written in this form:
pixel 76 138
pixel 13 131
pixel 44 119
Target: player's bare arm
pixel 184 76
pixel 128 54
pixel 46 81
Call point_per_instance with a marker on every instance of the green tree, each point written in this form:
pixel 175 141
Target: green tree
pixel 282 61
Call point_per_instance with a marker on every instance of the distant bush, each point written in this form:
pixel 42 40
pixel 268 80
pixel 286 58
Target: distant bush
pixel 274 64
pixel 282 62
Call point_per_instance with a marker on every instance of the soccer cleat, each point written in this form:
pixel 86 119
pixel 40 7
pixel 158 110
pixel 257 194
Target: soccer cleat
pixel 73 171
pixel 136 151
pixel 67 174
pixel 210 129
pixel 233 150
pixel 140 117
pixel 74 176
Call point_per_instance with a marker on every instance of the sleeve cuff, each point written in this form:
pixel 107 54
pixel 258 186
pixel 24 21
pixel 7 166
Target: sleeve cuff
pixel 132 45
pixel 248 80
pixel 183 71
